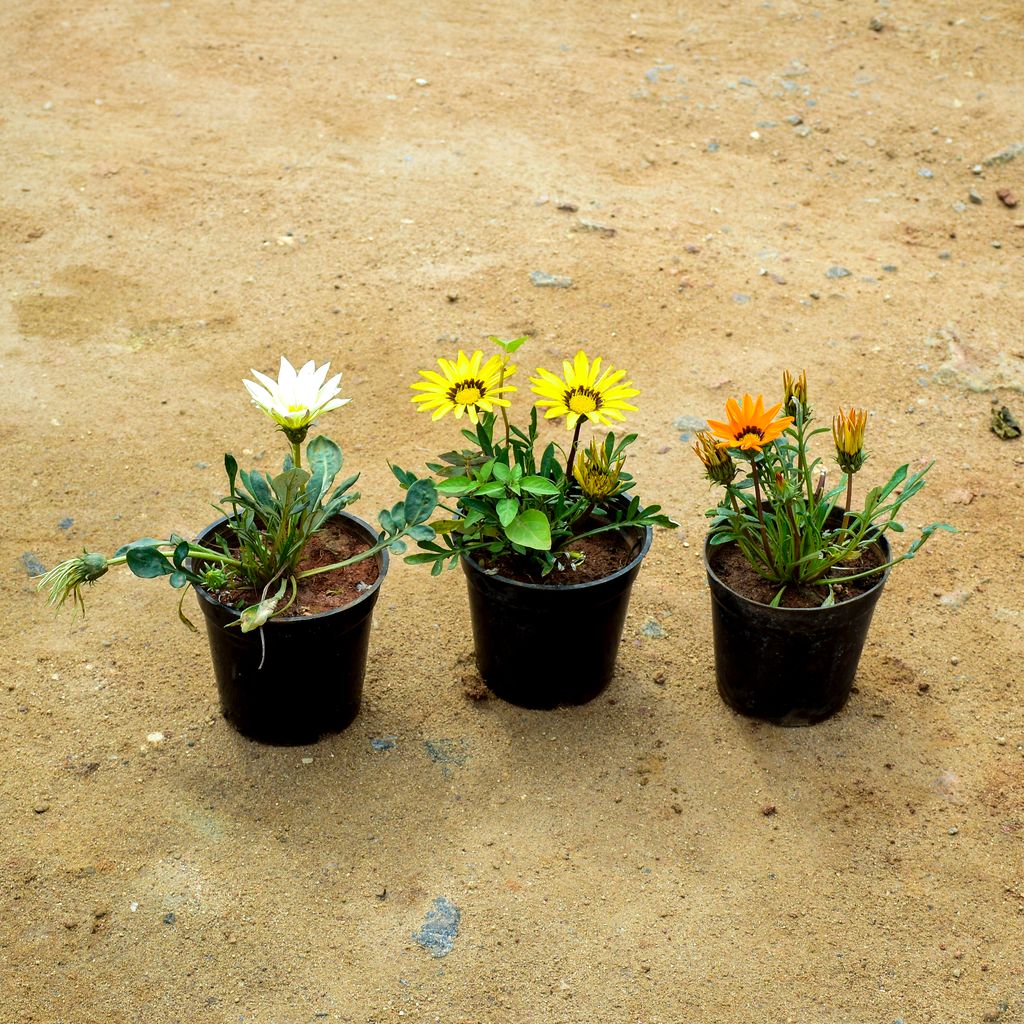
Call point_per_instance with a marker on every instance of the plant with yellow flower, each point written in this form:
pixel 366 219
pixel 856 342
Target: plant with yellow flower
pixel 504 497
pixel 793 530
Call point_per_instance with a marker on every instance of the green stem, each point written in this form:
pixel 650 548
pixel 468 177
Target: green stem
pixel 760 516
pixel 849 499
pixel 867 572
pixel 379 546
pixel 501 384
pixel 296 455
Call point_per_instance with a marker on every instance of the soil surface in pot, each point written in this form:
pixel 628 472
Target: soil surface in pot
pixel 732 568
pixel 335 542
pixel 604 554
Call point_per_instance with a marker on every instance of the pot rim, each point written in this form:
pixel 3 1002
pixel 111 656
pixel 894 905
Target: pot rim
pixel 287 620
pixel 645 546
pixel 882 540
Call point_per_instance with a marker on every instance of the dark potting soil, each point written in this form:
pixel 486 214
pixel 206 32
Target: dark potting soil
pixel 604 554
pixel 732 568
pixel 325 592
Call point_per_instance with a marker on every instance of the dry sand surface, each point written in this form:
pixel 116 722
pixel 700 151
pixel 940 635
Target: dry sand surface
pixel 193 187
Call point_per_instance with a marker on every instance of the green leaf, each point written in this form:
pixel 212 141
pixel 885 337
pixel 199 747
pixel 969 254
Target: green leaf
pixel 324 458
pixel 255 615
pixel 420 502
pixel 455 485
pixel 530 529
pixel 178 580
pixel 387 524
pixel 397 547
pixel 507 509
pixel 148 563
pixel 144 542
pixel 501 472
pixel 231 468
pixel 830 600
pixel 508 346
pixel 491 490
pixel 538 485
pixel 420 533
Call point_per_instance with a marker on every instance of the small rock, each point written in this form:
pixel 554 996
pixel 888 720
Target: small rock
pixel 155 739
pixel 802 130
pixel 1003 424
pixel 307 760
pixel 1007 198
pixel 540 279
pixel 955 598
pixel 954 831
pixel 1004 156
pixel 41 808
pixel 440 928
pixel 923 687
pixel 567 207
pixel 169 918
pixel 890 268
pixel 837 272
pixel 975 197
pixel 925 172
pixel 598 229
pixel 659 679
pixel 652 629
pixel 66 523
pixel 876 25
pixel 689 425
pixel 794 120
pixel 473 687
pixel 32 564
pixel 945 255
pixel 741 298
pixel 422 82
pixel 380 743
pixel 769 810
pixel 960 496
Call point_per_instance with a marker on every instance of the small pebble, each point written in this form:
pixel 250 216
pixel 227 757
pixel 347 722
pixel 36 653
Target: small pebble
pixel 155 739
pixel 975 197
pixel 169 918
pixel 925 172
pixel 837 272
pixel 954 831
pixel 41 808
pixel 307 760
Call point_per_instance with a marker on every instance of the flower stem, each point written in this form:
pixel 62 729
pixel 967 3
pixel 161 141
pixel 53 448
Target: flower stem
pixel 760 515
pixel 572 448
pixel 849 499
pixel 296 455
pixel 501 384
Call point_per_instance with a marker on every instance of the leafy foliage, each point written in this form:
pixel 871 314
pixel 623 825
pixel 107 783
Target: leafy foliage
pixel 506 501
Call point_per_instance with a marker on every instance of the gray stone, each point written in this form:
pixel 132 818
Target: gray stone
pixel 925 172
pixel 440 928
pixel 689 425
pixel 543 280
pixel 837 272
pixel 975 197
pixel 32 564
pixel 1004 156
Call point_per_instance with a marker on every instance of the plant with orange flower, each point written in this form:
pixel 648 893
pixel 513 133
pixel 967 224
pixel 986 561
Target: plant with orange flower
pixel 776 506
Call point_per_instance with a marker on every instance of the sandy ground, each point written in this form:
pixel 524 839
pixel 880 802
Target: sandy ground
pixel 192 188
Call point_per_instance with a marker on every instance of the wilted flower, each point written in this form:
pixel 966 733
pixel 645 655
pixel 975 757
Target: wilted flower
pixel 717 461
pixel 597 476
pixel 848 434
pixel 296 399
pixel 66 580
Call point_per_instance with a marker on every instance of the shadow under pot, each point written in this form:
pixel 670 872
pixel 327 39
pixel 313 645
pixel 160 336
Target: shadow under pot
pixel 788 666
pixel 544 646
pixel 297 678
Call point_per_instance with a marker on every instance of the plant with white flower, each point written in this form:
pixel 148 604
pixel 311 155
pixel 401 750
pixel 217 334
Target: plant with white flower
pixel 270 517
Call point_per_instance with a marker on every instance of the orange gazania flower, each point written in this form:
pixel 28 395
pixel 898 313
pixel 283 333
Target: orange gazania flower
pixel 749 428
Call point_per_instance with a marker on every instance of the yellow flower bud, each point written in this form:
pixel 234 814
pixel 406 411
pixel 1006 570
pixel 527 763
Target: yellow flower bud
pixel 796 389
pixel 848 434
pixel 597 477
pixel 717 461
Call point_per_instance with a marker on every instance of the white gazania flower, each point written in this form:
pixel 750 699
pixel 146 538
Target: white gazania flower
pixel 296 399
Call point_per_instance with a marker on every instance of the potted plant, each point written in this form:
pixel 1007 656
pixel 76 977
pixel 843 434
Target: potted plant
pixel 286 579
pixel 550 540
pixel 794 569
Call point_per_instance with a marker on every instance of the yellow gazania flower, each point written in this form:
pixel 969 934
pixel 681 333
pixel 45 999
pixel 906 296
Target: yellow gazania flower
pixel 848 434
pixel 749 428
pixel 718 463
pixel 597 476
pixel 583 390
pixel 466 387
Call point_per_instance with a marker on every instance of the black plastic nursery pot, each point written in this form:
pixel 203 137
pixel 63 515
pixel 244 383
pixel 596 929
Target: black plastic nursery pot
pixel 545 646
pixel 788 666
pixel 295 679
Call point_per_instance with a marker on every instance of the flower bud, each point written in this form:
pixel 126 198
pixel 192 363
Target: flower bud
pixel 796 394
pixel 848 434
pixel 718 464
pixel 597 477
